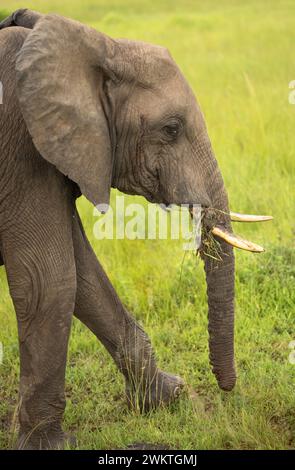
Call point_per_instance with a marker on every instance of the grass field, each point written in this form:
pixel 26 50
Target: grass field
pixel 239 58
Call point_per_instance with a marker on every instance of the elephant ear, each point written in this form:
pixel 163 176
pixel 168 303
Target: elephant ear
pixel 60 74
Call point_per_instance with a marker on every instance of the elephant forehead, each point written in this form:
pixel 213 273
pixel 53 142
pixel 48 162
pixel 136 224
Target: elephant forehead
pixel 164 99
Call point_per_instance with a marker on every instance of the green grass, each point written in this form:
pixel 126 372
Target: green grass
pixel 239 58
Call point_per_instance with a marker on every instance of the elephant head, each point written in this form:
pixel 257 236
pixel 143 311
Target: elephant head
pixel 118 113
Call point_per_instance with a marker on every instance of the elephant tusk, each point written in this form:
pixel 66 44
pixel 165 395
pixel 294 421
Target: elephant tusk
pixel 236 217
pixel 236 241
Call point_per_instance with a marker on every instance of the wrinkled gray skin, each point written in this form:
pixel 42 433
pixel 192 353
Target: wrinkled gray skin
pixel 82 113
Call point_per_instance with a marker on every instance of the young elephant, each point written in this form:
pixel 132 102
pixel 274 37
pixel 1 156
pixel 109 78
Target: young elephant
pixel 82 113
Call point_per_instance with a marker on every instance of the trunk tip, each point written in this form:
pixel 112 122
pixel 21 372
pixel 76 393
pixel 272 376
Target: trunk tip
pixel 227 384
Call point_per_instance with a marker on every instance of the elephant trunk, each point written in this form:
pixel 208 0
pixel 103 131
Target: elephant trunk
pixel 220 291
pixel 220 277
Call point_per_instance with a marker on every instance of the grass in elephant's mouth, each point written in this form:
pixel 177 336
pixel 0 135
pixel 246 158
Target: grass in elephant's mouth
pixel 210 247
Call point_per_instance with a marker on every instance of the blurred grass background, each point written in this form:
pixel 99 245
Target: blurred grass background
pixel 239 58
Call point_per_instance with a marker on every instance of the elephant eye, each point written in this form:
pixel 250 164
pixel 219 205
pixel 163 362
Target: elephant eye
pixel 172 130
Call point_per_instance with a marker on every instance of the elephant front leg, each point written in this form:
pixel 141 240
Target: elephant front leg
pixel 42 281
pixel 43 355
pixel 98 307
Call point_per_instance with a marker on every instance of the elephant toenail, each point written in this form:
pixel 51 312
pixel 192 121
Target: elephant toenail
pixel 177 392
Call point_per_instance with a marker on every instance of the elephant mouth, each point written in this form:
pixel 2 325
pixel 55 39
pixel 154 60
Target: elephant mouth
pixel 214 225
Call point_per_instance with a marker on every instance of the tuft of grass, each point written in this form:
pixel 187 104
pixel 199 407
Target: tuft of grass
pixel 210 246
pixel 238 57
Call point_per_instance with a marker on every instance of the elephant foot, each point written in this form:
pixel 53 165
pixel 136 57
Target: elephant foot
pixel 46 441
pixel 162 390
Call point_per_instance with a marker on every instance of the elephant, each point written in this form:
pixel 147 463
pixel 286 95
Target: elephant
pixel 83 113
